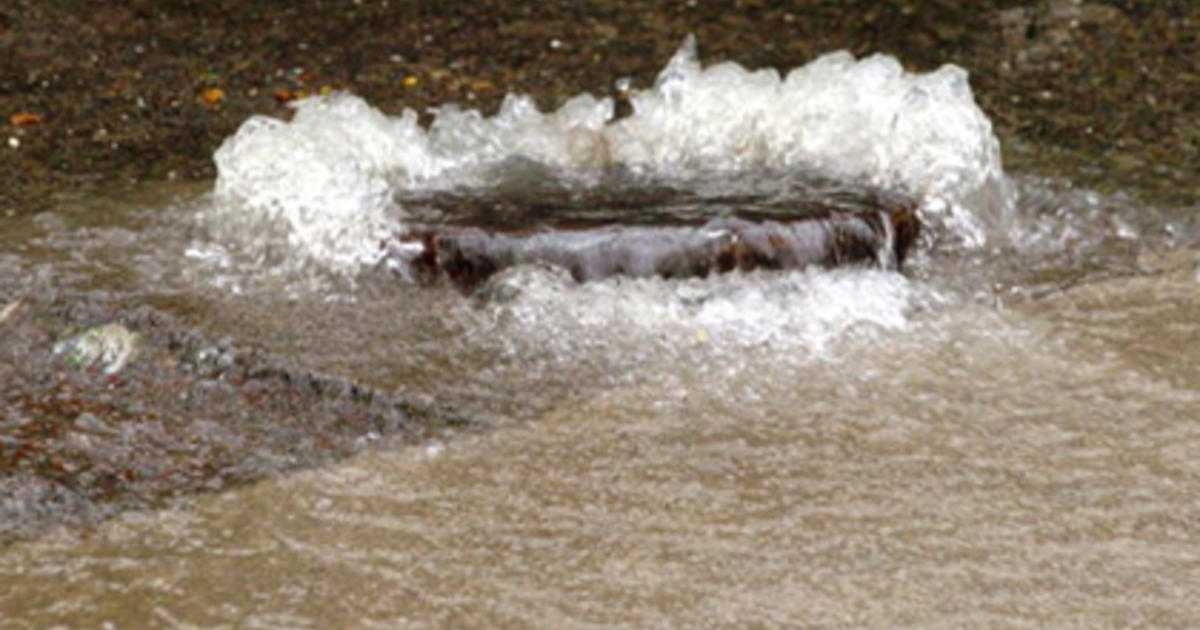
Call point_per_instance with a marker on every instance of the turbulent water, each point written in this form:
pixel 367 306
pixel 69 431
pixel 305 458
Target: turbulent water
pixel 1005 435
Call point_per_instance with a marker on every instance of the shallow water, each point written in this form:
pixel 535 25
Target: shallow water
pixel 1003 436
pixel 945 460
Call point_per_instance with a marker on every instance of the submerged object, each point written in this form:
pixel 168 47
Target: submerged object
pixel 336 179
pixel 876 229
pixel 110 346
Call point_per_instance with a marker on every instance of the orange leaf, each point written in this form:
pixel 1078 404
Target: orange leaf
pixel 212 96
pixel 287 96
pixel 25 119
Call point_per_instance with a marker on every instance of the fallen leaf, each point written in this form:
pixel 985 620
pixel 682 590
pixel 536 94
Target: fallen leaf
pixel 212 96
pixel 25 119
pixel 410 82
pixel 287 96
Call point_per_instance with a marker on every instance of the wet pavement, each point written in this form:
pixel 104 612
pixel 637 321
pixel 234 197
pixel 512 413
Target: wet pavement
pixel 98 96
pixel 98 93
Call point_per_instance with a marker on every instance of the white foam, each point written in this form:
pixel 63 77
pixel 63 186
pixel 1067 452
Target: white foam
pixel 860 119
pixel 802 312
pixel 327 179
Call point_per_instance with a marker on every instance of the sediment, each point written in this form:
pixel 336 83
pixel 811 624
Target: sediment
pixel 189 414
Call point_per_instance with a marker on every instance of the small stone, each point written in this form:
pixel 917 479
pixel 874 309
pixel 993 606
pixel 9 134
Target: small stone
pixel 89 422
pixel 111 345
pixel 9 309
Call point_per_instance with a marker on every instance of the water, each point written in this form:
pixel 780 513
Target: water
pixel 1004 436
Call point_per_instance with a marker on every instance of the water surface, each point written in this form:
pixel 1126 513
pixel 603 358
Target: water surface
pixel 1003 436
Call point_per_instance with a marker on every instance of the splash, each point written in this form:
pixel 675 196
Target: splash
pixel 326 183
pixel 802 314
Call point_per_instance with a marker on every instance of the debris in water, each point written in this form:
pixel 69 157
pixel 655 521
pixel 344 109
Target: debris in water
pixel 111 345
pixel 26 119
pixel 214 95
pixel 287 96
pixel 341 176
pixel 469 255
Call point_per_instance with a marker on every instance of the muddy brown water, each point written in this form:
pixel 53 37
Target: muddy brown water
pixel 1016 448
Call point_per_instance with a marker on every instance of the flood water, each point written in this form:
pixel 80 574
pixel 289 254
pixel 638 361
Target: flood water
pixel 1001 436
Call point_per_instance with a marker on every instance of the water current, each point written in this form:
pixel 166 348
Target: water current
pixel 1003 435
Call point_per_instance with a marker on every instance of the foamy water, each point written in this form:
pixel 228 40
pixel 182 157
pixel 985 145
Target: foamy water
pixel 798 313
pixel 326 182
pixel 1002 436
